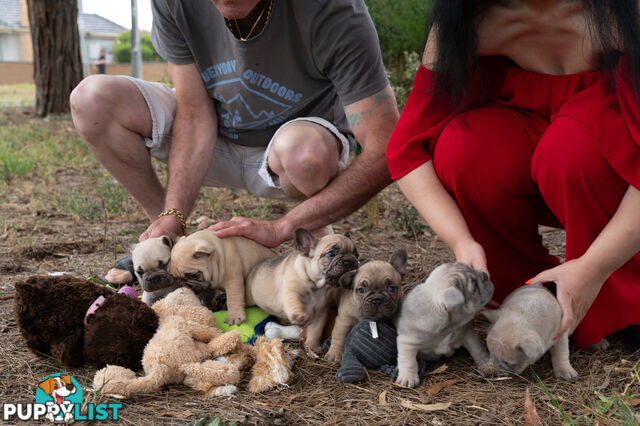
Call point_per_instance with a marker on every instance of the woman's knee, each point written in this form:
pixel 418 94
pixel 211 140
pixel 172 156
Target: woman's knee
pixel 485 149
pixel 565 156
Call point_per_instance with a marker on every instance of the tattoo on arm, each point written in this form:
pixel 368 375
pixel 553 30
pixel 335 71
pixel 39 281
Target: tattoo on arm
pixel 382 108
pixel 354 119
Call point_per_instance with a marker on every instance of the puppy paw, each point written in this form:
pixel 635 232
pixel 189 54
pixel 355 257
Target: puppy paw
pixel 236 317
pixel 601 346
pixel 489 369
pixel 333 355
pixel 565 372
pixel 408 380
pixel 298 318
pixel 315 348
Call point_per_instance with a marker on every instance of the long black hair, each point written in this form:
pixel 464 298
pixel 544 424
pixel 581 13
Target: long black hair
pixel 613 24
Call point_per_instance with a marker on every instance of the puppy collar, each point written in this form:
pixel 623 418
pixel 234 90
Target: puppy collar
pixel 129 291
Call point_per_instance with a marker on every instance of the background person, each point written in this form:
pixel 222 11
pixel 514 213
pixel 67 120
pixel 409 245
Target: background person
pixel 525 112
pixel 101 62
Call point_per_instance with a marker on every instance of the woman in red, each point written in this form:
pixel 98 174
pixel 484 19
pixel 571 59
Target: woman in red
pixel 526 112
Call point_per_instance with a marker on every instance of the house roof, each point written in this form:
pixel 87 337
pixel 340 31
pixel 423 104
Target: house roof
pixel 10 17
pixel 97 24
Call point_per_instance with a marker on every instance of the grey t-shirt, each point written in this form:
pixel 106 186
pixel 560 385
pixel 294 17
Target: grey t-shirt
pixel 312 58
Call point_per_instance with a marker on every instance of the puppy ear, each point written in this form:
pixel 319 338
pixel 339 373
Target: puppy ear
pixel 203 249
pixel 167 240
pixel 347 234
pixel 531 346
pixel 47 385
pixel 399 261
pixel 305 242
pixel 452 298
pixel 491 314
pixel 346 280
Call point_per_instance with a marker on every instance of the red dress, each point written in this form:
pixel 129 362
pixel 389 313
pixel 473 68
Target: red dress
pixel 536 149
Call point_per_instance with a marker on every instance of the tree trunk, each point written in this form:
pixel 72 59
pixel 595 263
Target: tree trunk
pixel 57 64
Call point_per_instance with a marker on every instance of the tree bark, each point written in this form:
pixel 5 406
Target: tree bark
pixel 57 64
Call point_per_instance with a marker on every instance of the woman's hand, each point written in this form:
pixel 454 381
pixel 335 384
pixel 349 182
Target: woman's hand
pixel 578 284
pixel 471 253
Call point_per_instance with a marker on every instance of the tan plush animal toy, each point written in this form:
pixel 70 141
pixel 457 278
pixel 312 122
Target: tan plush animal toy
pixel 180 352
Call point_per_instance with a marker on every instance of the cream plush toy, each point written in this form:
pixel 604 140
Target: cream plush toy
pixel 181 351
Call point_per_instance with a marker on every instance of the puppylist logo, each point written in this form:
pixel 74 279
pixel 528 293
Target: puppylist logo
pixel 59 400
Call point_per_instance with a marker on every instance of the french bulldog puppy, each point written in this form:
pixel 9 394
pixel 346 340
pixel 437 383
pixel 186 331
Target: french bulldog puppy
pixel 299 287
pixel 523 329
pixel 151 260
pixel 373 291
pixel 435 318
pixel 223 262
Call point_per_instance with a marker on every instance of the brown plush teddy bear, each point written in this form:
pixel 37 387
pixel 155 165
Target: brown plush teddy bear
pixel 51 312
pixel 180 352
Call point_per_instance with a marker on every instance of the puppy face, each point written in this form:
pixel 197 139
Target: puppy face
pixel 58 387
pixel 461 290
pixel 151 259
pixel 514 352
pixel 330 257
pixel 376 286
pixel 196 257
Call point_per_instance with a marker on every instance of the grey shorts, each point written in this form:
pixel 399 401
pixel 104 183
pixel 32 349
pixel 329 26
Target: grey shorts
pixel 233 165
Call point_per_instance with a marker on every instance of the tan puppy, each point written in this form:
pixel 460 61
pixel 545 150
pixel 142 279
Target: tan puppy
pixel 435 318
pixel 523 330
pixel 294 287
pixel 372 291
pixel 225 263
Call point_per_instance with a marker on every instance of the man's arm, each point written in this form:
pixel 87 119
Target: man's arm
pixel 192 141
pixel 372 120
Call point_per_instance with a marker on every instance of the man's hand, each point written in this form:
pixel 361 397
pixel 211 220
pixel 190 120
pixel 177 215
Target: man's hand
pixel 269 233
pixel 165 225
pixel 578 284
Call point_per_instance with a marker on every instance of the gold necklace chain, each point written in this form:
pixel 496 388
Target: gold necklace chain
pixel 255 24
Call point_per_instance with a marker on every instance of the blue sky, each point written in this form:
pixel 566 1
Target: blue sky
pixel 119 11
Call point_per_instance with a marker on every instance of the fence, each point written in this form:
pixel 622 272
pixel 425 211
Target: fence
pixel 22 72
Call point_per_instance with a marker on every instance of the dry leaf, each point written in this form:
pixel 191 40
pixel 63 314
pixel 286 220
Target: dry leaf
pixel 382 398
pixel 176 414
pixel 440 369
pixel 633 401
pixel 435 388
pixel 334 420
pixel 531 417
pixel 425 407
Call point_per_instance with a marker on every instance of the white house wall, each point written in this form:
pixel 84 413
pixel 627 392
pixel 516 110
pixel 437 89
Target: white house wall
pixel 10 47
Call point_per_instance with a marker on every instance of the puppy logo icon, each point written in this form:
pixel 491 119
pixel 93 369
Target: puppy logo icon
pixel 59 400
pixel 60 393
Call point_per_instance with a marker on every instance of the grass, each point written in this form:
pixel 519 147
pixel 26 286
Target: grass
pixel 50 153
pixel 616 408
pixel 17 95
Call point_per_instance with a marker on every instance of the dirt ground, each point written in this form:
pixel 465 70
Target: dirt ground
pixel 44 240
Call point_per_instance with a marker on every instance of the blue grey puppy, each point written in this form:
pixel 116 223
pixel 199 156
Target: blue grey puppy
pixel 435 319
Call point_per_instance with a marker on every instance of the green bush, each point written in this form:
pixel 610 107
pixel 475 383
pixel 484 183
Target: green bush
pixel 402 31
pixel 122 48
pixel 401 26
